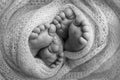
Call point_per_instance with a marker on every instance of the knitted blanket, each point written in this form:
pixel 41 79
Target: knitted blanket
pixel 99 60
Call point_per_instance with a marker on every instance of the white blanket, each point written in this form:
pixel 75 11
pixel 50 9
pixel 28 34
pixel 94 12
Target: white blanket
pixel 19 17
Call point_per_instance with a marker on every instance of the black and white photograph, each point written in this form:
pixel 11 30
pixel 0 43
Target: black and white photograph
pixel 59 39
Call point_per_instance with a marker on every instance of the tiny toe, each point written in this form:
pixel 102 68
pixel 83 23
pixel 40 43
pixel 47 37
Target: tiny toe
pixel 82 40
pixel 52 58
pixel 62 15
pixel 58 18
pixel 60 60
pixel 47 26
pixel 55 22
pixel 42 27
pixel 55 48
pixel 53 66
pixel 33 35
pixel 58 26
pixel 77 21
pixel 85 22
pixel 48 56
pixel 36 30
pixel 52 28
pixel 69 13
pixel 86 29
pixel 86 35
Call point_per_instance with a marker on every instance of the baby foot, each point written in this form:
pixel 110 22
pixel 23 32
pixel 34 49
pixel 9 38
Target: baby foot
pixel 40 38
pixel 56 48
pixel 62 22
pixel 47 57
pixel 52 55
pixel 78 35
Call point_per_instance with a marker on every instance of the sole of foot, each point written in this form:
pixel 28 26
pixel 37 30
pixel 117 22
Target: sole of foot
pixel 78 35
pixel 41 37
pixel 53 54
pixel 62 22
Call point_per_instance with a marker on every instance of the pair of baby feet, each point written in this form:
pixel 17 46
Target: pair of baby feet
pixel 73 29
pixel 45 44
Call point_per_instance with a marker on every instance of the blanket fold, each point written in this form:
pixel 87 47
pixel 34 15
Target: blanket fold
pixel 20 19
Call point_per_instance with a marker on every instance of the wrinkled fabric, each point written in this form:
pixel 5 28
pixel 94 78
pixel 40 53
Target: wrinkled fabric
pixel 99 62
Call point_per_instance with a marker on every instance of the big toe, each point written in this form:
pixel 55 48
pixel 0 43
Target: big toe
pixel 69 13
pixel 34 34
pixel 52 30
pixel 47 56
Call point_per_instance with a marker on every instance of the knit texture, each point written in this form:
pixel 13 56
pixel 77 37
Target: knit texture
pixel 99 61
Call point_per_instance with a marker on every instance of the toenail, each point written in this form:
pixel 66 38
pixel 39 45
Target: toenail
pixel 86 35
pixel 36 30
pixel 52 29
pixel 62 15
pixel 58 26
pixel 42 27
pixel 33 35
pixel 82 40
pixel 85 29
pixel 77 22
pixel 55 22
pixel 58 18
pixel 69 13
